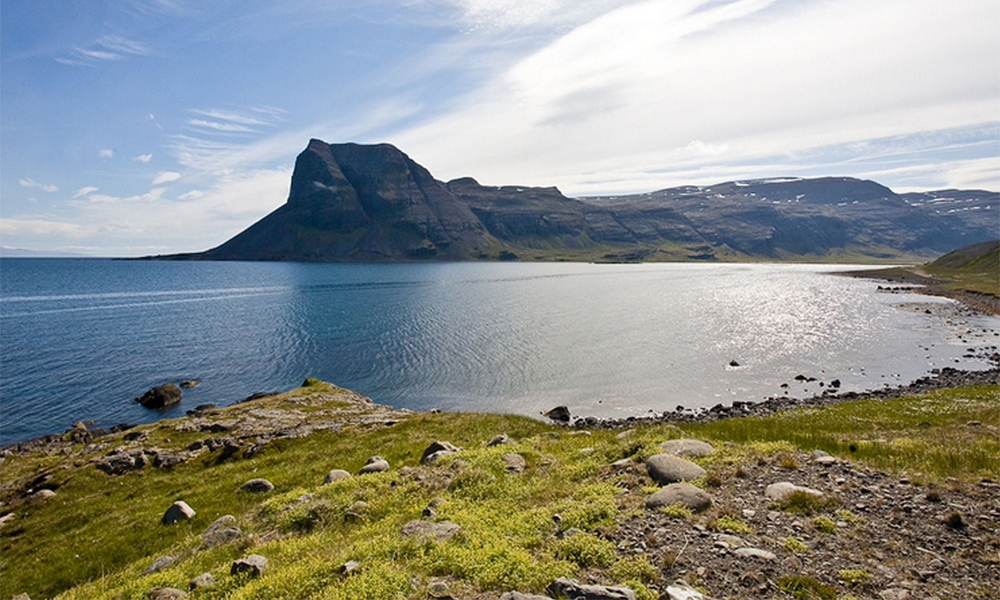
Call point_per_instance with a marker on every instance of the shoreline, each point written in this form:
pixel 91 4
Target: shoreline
pixel 928 286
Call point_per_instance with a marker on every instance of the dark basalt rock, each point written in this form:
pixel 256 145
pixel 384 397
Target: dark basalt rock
pixel 559 413
pixel 161 396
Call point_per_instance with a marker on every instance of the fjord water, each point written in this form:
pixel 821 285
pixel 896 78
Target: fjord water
pixel 80 337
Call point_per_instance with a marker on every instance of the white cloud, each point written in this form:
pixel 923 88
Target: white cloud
pixel 105 152
pixel 219 126
pixel 38 226
pixel 192 195
pixel 108 48
pixel 31 183
pixel 166 177
pixel 143 158
pixel 84 191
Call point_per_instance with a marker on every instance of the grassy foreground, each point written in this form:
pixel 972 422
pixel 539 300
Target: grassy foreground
pixel 98 534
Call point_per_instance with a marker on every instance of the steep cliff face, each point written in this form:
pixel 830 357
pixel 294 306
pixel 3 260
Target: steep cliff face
pixel 357 202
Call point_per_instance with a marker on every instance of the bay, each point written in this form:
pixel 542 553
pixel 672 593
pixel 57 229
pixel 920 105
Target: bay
pixel 79 338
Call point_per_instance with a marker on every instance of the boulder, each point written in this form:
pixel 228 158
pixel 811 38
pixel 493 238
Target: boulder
pixel 349 567
pixel 686 447
pixel 442 530
pixel 782 489
pixel 220 537
pixel 520 596
pixel 257 486
pixel 178 511
pixel 895 594
pixel 21 596
pixel 335 475
pixel 161 396
pixel 375 464
pixel 159 564
pixel 119 463
pixel 755 553
pixel 684 494
pixel 667 468
pixel 255 564
pixel 78 433
pixel 165 593
pixel 437 450
pixel 41 495
pixel 201 581
pixel 219 524
pixel 514 463
pixel 496 441
pixel 683 592
pixel 559 413
pixel 571 589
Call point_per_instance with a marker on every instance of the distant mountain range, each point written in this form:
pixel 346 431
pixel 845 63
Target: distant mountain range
pixel 352 202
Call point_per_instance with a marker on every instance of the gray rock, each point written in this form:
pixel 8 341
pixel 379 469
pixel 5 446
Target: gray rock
pixel 572 589
pixel 683 592
pixel 257 486
pixel 559 413
pixel 442 530
pixel 667 468
pixel 178 511
pixel 201 581
pixel 622 465
pixel 825 461
pixel 122 462
pixel 686 447
pixel 21 596
pixel 161 396
pixel 439 589
pixel 335 475
pixel 895 594
pixel 731 540
pixel 779 491
pixel 255 564
pixel 375 464
pixel 349 567
pixel 684 494
pixel 520 596
pixel 220 537
pixel 514 462
pixel 496 441
pixel 819 454
pixel 41 495
pixel 437 450
pixel 221 523
pixel 159 564
pixel 165 593
pixel 755 553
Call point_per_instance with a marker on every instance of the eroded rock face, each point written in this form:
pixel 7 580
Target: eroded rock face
pixel 667 468
pixel 161 396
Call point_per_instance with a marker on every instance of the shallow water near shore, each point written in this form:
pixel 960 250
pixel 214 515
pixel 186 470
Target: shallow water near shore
pixel 80 337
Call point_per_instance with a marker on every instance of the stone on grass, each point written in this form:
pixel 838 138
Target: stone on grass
pixel 683 592
pixel 496 441
pixel 21 596
pixel 520 596
pixel 514 463
pixel 41 495
pixel 349 567
pixel 442 530
pixel 201 581
pixel 571 589
pixel 221 523
pixel 375 464
pixel 122 462
pixel 755 553
pixel 667 468
pixel 165 593
pixel 781 490
pixel 686 447
pixel 159 564
pixel 684 494
pixel 436 450
pixel 335 475
pixel 178 511
pixel 220 537
pixel 257 485
pixel 253 564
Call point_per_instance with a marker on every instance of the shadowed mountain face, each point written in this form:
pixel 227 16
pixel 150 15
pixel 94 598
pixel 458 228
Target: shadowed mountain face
pixel 361 202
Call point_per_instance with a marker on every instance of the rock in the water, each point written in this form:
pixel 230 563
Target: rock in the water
pixel 686 447
pixel 375 464
pixel 667 468
pixel 572 589
pixel 161 396
pixel 165 593
pixel 683 592
pixel 520 596
pixel 496 441
pixel 257 485
pixel 437 450
pixel 189 383
pixel 514 463
pixel 178 511
pixel 779 491
pixel 684 494
pixel 201 581
pixel 559 413
pixel 335 475
pixel 159 564
pixel 41 495
pixel 442 530
pixel 255 564
pixel 755 553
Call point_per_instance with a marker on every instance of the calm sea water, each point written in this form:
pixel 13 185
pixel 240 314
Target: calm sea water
pixel 79 338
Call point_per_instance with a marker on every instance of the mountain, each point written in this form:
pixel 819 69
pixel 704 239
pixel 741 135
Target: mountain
pixel 353 202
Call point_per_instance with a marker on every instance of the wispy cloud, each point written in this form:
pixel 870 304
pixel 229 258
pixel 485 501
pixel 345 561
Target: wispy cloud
pixel 220 126
pixel 143 158
pixel 106 152
pixel 31 183
pixel 104 49
pixel 84 191
pixel 166 177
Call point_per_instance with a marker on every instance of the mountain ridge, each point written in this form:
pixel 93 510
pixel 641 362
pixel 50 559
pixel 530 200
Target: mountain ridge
pixel 355 202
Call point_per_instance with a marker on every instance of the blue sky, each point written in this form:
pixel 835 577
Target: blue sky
pixel 132 127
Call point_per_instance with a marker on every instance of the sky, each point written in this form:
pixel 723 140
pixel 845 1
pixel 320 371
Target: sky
pixel 136 127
